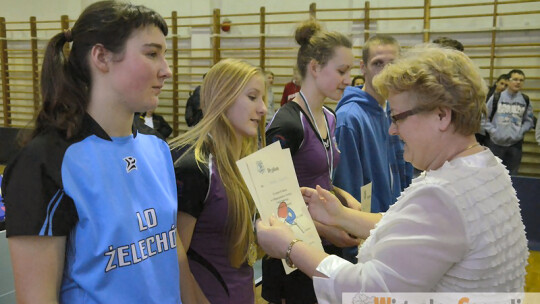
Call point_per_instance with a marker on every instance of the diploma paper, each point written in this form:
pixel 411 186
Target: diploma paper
pixel 366 197
pixel 270 177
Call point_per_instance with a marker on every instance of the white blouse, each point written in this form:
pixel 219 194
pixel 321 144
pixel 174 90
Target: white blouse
pixel 454 229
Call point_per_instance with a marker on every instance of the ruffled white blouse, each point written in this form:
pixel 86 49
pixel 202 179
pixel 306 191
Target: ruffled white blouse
pixel 454 229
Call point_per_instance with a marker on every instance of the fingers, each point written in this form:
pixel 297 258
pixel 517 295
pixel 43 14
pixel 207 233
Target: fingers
pixel 272 220
pixel 324 194
pixel 307 193
pixel 259 225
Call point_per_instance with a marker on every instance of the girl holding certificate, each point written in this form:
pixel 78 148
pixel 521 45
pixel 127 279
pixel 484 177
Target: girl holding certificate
pixel 307 128
pixel 216 211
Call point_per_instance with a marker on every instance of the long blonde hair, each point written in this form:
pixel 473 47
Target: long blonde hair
pixel 215 135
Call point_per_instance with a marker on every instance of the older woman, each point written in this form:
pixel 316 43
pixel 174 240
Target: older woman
pixel 456 228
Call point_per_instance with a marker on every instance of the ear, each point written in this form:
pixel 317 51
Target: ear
pixel 313 67
pixel 444 118
pixel 362 67
pixel 100 58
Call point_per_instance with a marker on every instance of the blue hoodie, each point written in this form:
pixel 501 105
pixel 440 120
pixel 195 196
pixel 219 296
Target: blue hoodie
pixel 368 153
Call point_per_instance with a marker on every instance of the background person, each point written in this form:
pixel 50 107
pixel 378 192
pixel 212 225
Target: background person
pixel 358 81
pixel 499 86
pixel 369 155
pixel 156 122
pixel 508 119
pixel 87 219
pixel 291 88
pixel 443 233
pixel 450 43
pixel 269 77
pixel 216 211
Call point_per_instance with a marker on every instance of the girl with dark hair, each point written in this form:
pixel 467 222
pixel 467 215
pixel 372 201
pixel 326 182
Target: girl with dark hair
pixel 91 200
pixel 307 127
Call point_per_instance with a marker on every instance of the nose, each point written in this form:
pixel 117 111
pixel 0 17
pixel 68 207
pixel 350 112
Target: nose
pixel 262 109
pixel 347 80
pixel 165 70
pixel 393 130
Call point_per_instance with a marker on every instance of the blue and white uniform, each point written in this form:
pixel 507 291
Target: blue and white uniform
pixel 114 199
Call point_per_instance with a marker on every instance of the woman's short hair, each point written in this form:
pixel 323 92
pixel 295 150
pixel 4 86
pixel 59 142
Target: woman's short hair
pixel 438 77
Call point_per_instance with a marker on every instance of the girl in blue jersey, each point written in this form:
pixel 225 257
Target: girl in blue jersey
pixel 307 128
pixel 216 211
pixel 91 199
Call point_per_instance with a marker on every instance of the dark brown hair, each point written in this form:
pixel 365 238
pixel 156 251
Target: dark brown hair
pixel 66 82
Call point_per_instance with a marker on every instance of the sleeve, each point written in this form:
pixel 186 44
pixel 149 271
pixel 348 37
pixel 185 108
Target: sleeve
pixel 412 252
pixel 349 174
pixel 192 183
pixel 486 124
pixel 286 128
pixel 35 201
pixel 537 135
pixel 528 119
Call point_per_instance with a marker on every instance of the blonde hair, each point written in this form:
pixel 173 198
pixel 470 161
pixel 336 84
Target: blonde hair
pixel 438 77
pixel 215 135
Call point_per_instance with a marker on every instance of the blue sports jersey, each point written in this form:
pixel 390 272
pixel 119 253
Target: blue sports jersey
pixel 115 200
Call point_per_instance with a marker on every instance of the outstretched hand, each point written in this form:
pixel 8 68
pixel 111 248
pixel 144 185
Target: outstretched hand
pixel 323 206
pixel 275 237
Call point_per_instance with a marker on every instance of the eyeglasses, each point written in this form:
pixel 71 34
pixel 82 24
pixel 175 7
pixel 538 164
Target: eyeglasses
pixel 517 79
pixel 403 115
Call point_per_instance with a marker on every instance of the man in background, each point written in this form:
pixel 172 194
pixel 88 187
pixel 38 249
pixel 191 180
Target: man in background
pixel 269 95
pixel 509 117
pixel 450 43
pixel 369 155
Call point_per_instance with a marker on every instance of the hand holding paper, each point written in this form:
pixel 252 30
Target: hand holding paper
pixel 270 177
pixel 275 237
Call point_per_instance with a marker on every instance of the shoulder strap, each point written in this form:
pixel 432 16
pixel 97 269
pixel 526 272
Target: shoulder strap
pixel 527 101
pixel 494 105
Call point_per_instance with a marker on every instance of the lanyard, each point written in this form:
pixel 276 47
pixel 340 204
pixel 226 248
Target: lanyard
pixel 329 158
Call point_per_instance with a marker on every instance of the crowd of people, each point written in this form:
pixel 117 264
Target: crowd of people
pixel 101 208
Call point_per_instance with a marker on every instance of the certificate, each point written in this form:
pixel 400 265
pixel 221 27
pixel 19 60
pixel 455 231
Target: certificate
pixel 270 177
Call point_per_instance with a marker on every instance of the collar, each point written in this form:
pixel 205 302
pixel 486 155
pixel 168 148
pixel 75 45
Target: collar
pixel 91 127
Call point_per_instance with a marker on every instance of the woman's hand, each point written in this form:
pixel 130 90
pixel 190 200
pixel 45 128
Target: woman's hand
pixel 274 238
pixel 323 206
pixel 336 236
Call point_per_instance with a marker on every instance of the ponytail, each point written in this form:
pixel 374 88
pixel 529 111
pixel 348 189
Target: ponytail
pixel 63 89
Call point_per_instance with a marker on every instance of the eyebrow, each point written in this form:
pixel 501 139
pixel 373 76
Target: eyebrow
pixel 156 45
pixel 254 89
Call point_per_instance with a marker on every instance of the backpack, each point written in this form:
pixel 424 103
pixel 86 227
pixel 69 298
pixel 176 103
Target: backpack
pixel 193 112
pixel 495 104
